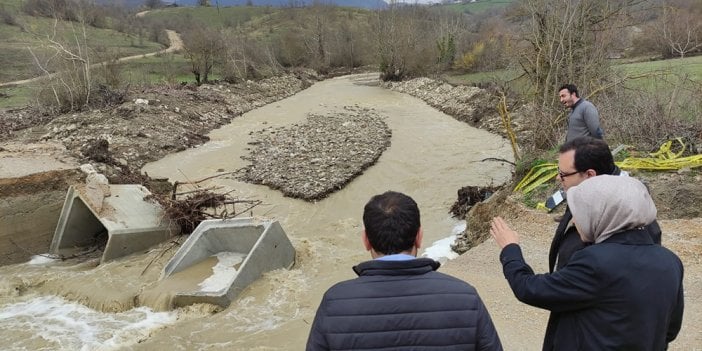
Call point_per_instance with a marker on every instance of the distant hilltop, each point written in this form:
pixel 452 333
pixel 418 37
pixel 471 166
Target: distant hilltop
pixel 366 4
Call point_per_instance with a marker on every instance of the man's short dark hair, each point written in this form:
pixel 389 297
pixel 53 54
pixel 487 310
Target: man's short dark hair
pixel 571 89
pixel 391 222
pixel 590 153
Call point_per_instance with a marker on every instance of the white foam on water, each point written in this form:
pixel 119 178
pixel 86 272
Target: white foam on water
pixel 57 324
pixel 223 272
pixel 440 250
pixel 459 228
pixel 41 260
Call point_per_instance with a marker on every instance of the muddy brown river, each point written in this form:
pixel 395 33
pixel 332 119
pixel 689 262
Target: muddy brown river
pixel 82 306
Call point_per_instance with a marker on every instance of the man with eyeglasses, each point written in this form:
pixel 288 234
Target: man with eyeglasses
pixel 580 159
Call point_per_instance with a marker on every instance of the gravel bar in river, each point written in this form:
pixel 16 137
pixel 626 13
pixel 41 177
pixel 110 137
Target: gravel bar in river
pixel 311 160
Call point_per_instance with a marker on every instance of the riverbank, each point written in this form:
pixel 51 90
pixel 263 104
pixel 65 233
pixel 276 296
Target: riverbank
pixel 170 119
pixel 274 313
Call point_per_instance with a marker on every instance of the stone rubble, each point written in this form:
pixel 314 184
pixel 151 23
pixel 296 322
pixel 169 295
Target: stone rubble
pixel 313 159
pixel 472 105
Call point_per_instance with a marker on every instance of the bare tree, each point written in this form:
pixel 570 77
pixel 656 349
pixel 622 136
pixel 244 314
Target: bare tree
pixel 404 39
pixel 568 41
pixel 246 59
pixel 681 30
pixel 67 68
pixel 316 39
pixel 202 46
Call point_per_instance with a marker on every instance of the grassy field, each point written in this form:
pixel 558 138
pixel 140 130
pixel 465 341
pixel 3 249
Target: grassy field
pixel 651 73
pixel 34 33
pixel 211 16
pixel 11 4
pixel 674 71
pixel 160 69
pixel 478 6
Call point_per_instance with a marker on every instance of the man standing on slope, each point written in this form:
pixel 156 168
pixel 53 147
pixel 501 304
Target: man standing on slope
pixel 583 120
pixel 399 301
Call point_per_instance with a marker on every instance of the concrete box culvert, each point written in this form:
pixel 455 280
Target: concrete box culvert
pixel 131 223
pixel 263 244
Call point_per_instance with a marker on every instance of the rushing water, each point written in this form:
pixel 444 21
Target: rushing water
pixel 430 158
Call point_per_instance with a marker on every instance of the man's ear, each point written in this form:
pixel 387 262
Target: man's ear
pixel 418 239
pixel 366 243
pixel 590 173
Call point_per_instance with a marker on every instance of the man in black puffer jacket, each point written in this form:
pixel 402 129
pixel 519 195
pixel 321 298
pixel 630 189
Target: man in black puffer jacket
pixel 400 302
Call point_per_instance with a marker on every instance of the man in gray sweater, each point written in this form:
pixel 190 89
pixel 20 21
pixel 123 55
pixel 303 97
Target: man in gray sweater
pixel 583 120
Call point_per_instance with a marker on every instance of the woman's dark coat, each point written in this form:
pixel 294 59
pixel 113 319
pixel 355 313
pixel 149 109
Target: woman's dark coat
pixel 625 293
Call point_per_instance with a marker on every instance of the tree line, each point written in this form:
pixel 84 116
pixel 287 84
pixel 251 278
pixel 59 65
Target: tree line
pixel 546 42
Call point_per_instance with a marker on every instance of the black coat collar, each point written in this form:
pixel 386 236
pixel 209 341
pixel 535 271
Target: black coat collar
pixel 408 267
pixel 638 236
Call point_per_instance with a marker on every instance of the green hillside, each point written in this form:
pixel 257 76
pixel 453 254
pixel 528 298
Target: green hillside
pixel 211 16
pixel 22 35
pixel 479 6
pixel 689 67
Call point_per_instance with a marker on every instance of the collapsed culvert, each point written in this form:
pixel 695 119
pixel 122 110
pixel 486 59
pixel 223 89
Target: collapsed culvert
pixel 120 216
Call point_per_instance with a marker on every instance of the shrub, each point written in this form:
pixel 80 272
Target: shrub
pixel 8 17
pixel 646 118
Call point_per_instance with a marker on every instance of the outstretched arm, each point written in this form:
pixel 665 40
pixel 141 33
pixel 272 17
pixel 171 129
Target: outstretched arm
pixel 571 288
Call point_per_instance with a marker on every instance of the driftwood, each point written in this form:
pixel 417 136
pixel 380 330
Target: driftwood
pixel 190 207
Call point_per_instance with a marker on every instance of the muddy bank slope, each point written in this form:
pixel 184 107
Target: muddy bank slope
pixel 40 154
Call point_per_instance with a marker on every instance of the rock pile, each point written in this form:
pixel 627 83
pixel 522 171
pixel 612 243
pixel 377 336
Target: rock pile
pixel 472 105
pixel 311 160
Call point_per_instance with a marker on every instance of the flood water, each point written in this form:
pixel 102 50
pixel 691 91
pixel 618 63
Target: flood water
pixel 431 156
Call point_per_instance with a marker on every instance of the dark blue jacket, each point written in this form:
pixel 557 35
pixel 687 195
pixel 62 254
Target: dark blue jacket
pixel 625 293
pixel 402 305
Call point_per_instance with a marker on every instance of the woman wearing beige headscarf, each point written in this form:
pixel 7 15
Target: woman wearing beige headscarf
pixel 623 292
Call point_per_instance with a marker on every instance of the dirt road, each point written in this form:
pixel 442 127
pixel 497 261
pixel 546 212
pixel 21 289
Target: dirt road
pixel 176 43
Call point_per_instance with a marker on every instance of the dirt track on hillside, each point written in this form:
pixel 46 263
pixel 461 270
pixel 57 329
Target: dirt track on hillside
pixel 176 44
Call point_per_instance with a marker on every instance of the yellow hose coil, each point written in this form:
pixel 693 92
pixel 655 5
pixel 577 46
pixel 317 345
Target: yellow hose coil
pixel 662 160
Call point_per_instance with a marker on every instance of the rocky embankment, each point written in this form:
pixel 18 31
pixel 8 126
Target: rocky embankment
pixel 472 105
pixel 151 123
